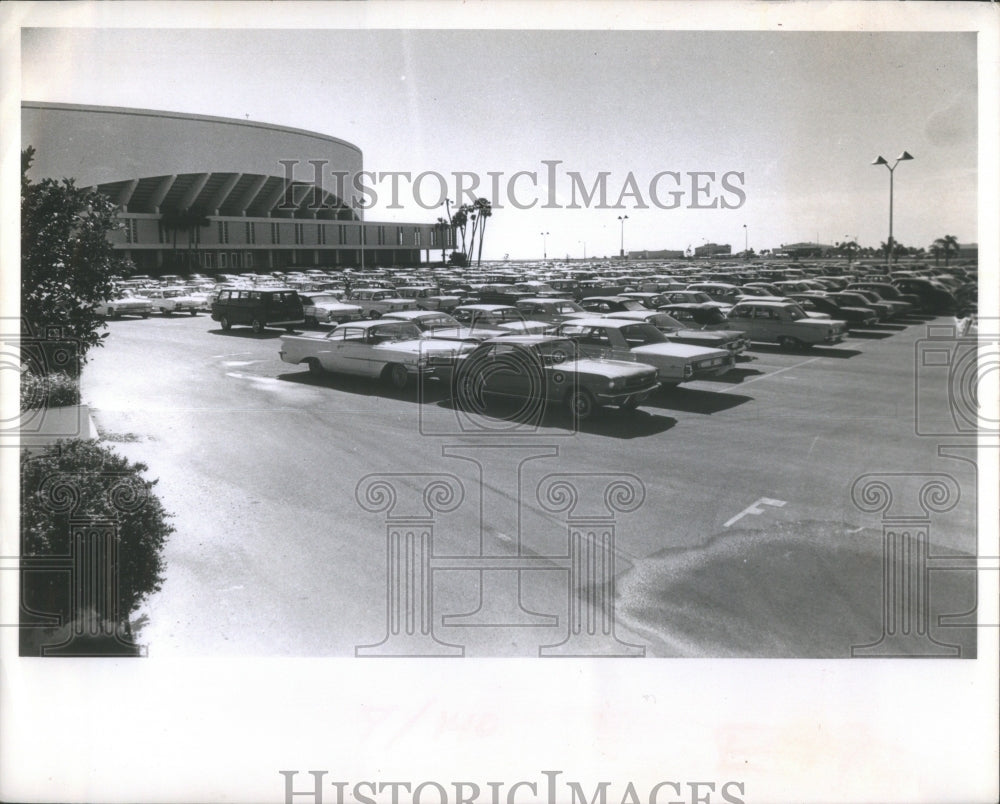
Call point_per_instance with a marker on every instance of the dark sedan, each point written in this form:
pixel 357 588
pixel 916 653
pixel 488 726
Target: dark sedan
pixel 854 316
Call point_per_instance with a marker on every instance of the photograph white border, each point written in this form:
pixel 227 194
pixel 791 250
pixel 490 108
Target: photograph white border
pixel 221 730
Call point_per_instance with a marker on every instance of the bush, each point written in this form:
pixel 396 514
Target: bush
pixel 459 259
pixel 81 482
pixel 49 391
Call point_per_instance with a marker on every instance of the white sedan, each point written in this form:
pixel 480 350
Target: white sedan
pixel 394 351
pixel 622 339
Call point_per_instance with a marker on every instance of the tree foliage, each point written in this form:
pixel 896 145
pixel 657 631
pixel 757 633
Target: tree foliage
pixel 67 262
pixel 82 480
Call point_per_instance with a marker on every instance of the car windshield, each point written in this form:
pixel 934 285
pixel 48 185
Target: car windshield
pixel 441 321
pixel 393 331
pixel 662 321
pixel 642 334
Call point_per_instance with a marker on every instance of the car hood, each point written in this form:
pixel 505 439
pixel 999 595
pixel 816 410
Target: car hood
pixel 715 335
pixel 604 368
pixel 675 350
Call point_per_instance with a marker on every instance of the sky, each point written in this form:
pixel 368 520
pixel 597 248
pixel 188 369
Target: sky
pixel 778 128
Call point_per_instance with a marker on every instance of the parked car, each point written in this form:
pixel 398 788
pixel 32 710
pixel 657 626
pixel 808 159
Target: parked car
pixel 648 299
pixel 391 350
pixel 733 341
pixel 376 302
pixel 545 369
pixel 621 339
pixel 887 291
pixel 693 297
pixel 822 303
pixel 438 324
pixel 124 304
pixel 173 300
pixel 502 316
pixel 552 310
pixel 784 323
pixel 697 316
pixel 611 304
pixel 326 308
pixel 258 308
pixel 428 297
pixel 851 299
pixel 721 292
pixel 934 297
pixel 896 308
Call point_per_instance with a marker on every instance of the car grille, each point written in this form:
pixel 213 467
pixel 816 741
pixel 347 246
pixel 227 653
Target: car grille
pixel 640 380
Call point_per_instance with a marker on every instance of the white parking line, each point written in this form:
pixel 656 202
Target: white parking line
pixel 780 371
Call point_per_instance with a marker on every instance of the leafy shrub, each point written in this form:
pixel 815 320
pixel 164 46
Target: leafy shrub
pixel 48 391
pixel 78 482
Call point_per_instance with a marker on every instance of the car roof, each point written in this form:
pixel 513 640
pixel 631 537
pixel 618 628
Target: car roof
pixel 486 307
pixel 526 340
pixel 596 321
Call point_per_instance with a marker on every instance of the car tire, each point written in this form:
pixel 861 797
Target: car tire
pixel 257 326
pixel 315 367
pixel 144 315
pixel 373 314
pixel 164 311
pixel 581 405
pixel 193 312
pixel 312 322
pixel 224 323
pixel 789 343
pixel 397 375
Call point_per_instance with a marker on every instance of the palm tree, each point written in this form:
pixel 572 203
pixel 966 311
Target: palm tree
pixel 460 220
pixel 442 227
pixel 485 209
pixel 850 249
pixel 948 245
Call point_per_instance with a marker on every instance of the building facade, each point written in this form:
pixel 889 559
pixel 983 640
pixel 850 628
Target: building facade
pixel 213 194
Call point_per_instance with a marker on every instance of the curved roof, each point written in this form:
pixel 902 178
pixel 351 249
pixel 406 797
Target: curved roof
pixel 149 161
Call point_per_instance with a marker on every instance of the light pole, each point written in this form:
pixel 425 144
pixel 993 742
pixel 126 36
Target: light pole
pixel 746 242
pixel 545 249
pixel 892 168
pixel 584 242
pixel 622 218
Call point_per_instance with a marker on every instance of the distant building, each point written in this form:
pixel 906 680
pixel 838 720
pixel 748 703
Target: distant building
pixel 796 250
pixel 656 255
pixel 968 251
pixel 713 250
pixel 254 214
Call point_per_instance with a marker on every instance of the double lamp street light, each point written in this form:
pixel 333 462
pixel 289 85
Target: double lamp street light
pixel 903 157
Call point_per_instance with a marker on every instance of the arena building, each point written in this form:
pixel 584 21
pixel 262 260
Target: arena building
pixel 213 194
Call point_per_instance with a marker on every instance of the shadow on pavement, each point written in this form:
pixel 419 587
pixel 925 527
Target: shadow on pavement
pixel 690 400
pixel 815 351
pixel 737 375
pixel 608 421
pixel 267 334
pixel 868 334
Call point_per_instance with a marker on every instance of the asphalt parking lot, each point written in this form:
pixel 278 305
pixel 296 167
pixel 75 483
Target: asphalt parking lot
pixel 745 540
